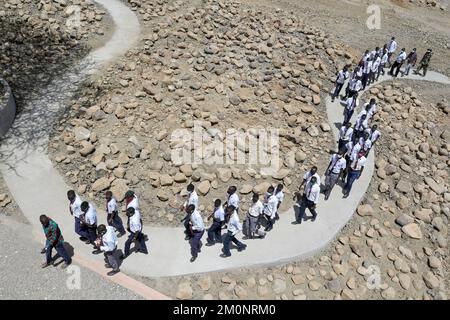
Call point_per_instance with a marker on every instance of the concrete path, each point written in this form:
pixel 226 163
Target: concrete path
pixel 38 188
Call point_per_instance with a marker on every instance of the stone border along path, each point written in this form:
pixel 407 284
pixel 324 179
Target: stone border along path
pixel 38 188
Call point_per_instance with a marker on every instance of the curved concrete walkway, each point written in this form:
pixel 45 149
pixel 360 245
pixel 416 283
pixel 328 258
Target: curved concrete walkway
pixel 38 188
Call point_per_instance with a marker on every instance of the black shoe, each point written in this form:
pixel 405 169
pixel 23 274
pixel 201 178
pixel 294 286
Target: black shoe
pixel 187 238
pixel 107 265
pixel 345 195
pixel 193 259
pixel 209 244
pixel 83 238
pixel 242 248
pixel 223 255
pixel 43 250
pixel 88 242
pixel 97 251
pixel 123 256
pixel 327 196
pixel 121 234
pixel 113 272
pixel 313 219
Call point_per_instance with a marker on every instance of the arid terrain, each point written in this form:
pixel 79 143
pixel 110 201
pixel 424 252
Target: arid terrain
pixel 253 65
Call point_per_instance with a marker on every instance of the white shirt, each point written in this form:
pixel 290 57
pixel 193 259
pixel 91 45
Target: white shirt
pixel 337 164
pixel 349 148
pixel 372 110
pixel 234 226
pixel 351 103
pixel 256 209
pixel 75 207
pixel 308 177
pixel 392 46
pixel 91 215
pixel 111 206
pixel 357 164
pixel 280 196
pixel 135 222
pixel 233 200
pixel 401 57
pixel 356 85
pixel 367 66
pixel 313 192
pixel 134 203
pixel 219 214
pixel 367 144
pixel 376 64
pixel 197 221
pixel 193 199
pixel 356 150
pixel 361 125
pixel 345 133
pixel 342 76
pixel 384 59
pixel 373 135
pixel 109 240
pixel 271 206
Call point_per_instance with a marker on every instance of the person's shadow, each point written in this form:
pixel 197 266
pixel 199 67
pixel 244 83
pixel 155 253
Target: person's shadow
pixel 70 252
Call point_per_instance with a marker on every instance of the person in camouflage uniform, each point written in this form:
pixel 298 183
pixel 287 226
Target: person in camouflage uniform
pixel 424 62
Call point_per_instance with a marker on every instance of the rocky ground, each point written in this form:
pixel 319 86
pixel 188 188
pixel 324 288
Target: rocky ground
pixel 260 64
pixel 396 247
pixel 38 41
pixel 221 65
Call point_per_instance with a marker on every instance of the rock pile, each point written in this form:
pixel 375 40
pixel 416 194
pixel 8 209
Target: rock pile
pixel 218 66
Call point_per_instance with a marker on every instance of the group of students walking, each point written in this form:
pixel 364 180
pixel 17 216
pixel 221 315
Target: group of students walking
pixel 102 237
pixel 354 145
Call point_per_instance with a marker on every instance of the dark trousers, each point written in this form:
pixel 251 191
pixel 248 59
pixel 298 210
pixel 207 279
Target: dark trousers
pixel 352 176
pixel 60 250
pixel 347 116
pixel 116 223
pixel 364 79
pixel 303 206
pixel 341 144
pixel 380 71
pixel 270 222
pixel 338 89
pixel 395 69
pixel 330 180
pixel 196 243
pixel 347 168
pixel 371 77
pixel 140 239
pixel 79 229
pixel 111 259
pixel 227 241
pixel 214 232
pixel 187 229
pixel 92 233
pixel 424 67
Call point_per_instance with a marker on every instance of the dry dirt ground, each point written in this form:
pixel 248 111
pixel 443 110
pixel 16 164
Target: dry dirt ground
pixel 410 262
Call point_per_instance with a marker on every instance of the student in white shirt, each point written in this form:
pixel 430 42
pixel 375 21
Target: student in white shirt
pixel 350 105
pixel 233 198
pixel 192 199
pixel 392 46
pixel 307 177
pixel 89 219
pixel 107 242
pixel 135 230
pixel 280 197
pixel 345 135
pixel 356 169
pixel 270 210
pixel 395 69
pixel 215 231
pixel 374 69
pixel 342 75
pixel 75 211
pixel 112 214
pixel 197 228
pixel 309 200
pixel 384 60
pixel 255 212
pixel 131 200
pixel 335 168
pixel 366 72
pixel 374 135
pixel 234 227
pixel 361 125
